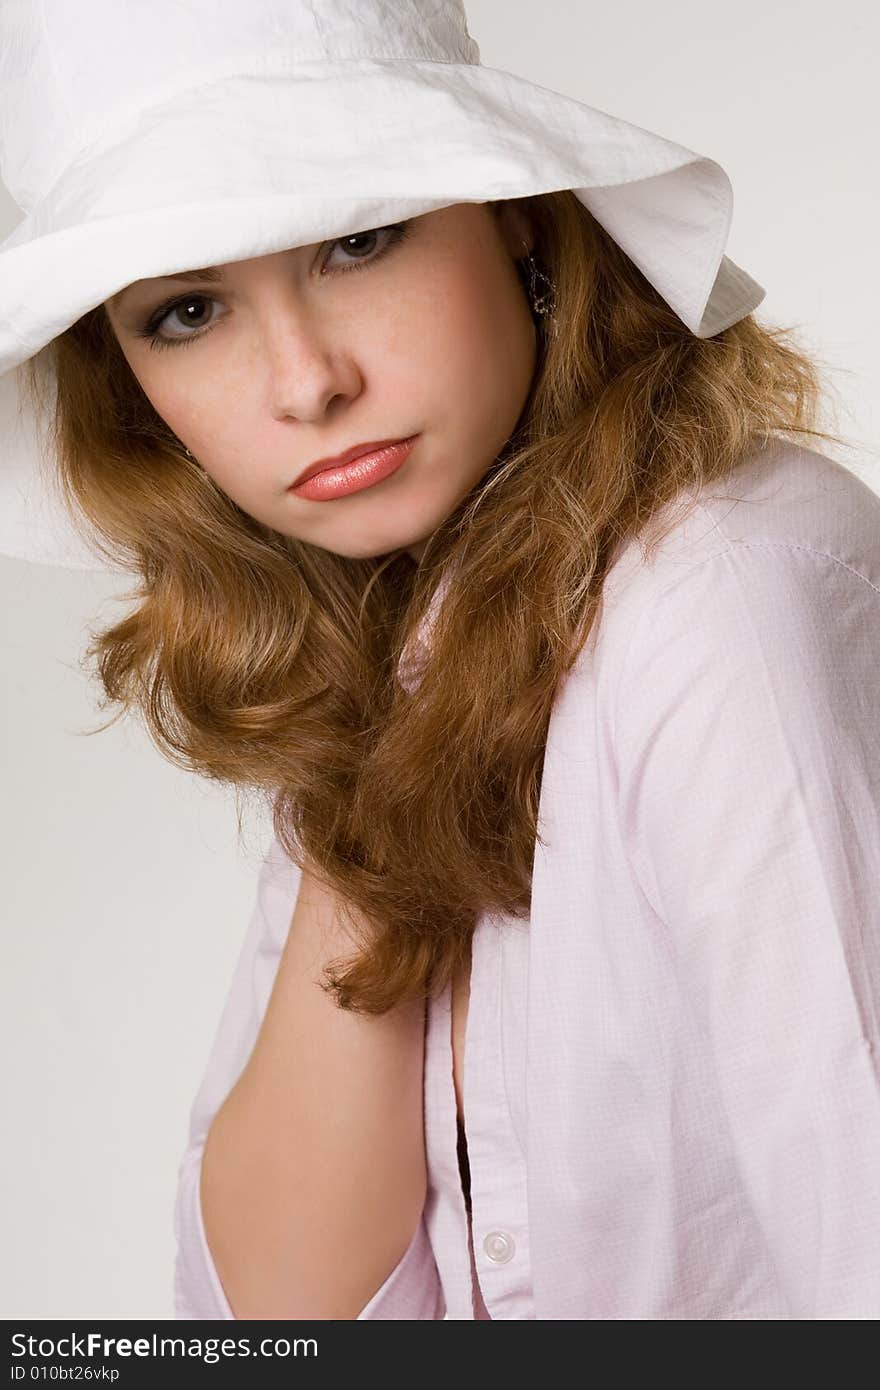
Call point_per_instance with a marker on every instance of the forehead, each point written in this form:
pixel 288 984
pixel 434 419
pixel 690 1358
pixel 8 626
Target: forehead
pixel 216 274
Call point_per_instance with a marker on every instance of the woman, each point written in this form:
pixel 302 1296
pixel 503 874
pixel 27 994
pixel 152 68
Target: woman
pixel 562 698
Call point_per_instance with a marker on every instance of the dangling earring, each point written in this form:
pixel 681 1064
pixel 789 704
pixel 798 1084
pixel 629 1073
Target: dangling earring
pixel 542 294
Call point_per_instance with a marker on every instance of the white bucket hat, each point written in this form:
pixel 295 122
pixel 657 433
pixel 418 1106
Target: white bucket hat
pixel 148 138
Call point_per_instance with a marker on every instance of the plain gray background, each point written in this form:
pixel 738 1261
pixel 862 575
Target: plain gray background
pixel 126 885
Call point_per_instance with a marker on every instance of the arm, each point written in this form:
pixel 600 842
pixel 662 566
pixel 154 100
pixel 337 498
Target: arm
pixel 748 740
pixel 311 1188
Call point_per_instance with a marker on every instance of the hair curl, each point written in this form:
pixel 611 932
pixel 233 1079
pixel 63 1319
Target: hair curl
pixel 270 665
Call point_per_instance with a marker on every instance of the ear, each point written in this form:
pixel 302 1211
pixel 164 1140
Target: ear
pixel 515 227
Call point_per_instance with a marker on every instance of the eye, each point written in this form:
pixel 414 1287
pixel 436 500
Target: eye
pixel 188 319
pixel 168 313
pixel 365 254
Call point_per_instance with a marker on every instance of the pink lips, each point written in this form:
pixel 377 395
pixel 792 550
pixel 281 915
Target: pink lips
pixel 361 472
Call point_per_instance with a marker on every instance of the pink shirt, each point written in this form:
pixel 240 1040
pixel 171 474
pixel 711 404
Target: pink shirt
pixel 671 1084
pixel 498 1282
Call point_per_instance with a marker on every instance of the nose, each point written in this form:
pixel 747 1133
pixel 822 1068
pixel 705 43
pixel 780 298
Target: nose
pixel 306 360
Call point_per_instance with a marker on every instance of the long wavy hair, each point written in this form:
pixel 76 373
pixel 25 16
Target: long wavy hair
pixel 271 666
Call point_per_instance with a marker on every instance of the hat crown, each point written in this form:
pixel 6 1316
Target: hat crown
pixel 70 73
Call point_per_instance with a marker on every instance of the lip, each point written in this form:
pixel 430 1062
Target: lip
pixel 363 466
pixel 348 456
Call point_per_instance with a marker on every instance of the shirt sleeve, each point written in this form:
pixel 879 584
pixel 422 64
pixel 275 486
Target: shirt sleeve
pixel 747 728
pixel 412 1289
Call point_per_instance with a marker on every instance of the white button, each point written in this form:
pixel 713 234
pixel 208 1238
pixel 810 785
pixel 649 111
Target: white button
pixel 499 1246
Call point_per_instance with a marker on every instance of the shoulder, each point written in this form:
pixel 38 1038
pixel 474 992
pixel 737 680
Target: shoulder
pixel 790 537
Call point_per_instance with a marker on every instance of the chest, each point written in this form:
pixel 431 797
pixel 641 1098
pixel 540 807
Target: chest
pixel 460 998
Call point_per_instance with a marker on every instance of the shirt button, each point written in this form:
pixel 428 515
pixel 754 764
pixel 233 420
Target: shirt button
pixel 499 1246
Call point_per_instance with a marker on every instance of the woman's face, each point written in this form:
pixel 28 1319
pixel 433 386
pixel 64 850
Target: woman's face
pixel 303 354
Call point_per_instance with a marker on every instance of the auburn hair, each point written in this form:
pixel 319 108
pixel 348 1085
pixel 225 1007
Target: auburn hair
pixel 271 665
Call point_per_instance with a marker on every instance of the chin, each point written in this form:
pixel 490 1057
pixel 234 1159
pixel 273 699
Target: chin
pixel 365 552
pixel 375 548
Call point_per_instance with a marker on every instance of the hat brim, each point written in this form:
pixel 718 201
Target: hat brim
pixel 250 165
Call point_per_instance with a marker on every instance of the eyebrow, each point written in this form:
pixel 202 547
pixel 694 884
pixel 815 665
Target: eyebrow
pixel 207 274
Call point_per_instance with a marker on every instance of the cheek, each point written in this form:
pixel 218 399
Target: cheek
pixel 481 349
pixel 160 384
pixel 192 404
